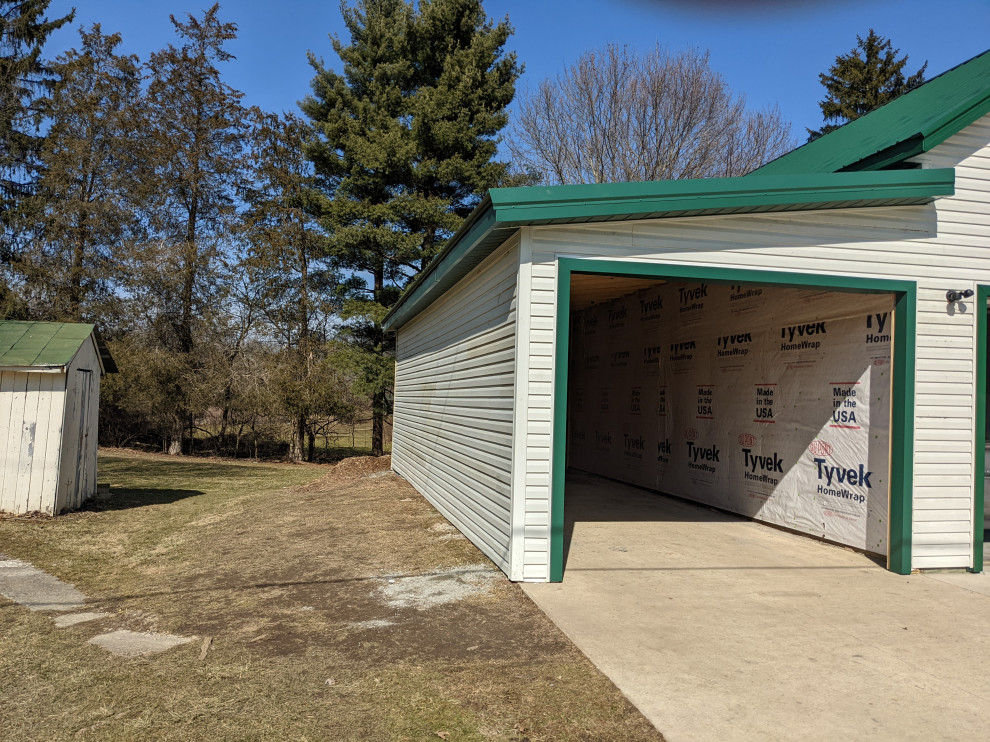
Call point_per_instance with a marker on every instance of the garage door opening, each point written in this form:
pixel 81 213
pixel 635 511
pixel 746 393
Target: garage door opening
pixel 767 401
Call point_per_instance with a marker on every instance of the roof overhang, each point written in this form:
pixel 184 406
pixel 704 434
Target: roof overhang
pixel 504 210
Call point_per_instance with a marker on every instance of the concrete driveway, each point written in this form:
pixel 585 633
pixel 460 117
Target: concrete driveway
pixel 721 629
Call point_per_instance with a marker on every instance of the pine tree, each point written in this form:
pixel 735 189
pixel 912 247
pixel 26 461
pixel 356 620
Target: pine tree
pixel 24 76
pixel 287 261
pixel 869 76
pixel 83 194
pixel 193 151
pixel 407 137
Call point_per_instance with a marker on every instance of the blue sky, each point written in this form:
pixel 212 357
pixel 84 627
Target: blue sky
pixel 770 50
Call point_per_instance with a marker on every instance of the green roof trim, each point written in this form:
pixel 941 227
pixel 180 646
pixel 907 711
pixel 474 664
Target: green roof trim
pixel 49 345
pixel 906 127
pixel 504 210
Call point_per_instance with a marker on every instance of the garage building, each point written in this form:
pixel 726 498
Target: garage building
pixel 796 346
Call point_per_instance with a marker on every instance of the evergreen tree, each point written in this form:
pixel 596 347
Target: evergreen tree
pixel 287 261
pixel 407 137
pixel 869 76
pixel 194 136
pixel 83 195
pixel 24 76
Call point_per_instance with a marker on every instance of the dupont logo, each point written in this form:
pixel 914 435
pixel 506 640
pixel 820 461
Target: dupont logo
pixel 746 440
pixel 690 434
pixel 820 448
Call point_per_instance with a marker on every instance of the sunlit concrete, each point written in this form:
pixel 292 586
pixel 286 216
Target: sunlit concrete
pixel 722 629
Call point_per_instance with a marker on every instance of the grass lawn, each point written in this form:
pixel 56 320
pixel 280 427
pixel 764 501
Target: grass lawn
pixel 328 597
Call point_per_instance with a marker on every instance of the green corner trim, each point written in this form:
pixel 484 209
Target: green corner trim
pixel 982 295
pixel 902 423
pixel 902 433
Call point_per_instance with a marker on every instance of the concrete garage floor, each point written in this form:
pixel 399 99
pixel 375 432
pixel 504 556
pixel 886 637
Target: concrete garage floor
pixel 722 629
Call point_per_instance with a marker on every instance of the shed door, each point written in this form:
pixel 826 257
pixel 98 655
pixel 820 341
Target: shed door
pixel 83 453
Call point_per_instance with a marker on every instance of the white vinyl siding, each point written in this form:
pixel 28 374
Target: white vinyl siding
pixel 454 388
pixel 940 246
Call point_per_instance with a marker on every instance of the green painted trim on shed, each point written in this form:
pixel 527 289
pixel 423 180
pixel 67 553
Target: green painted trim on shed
pixel 979 463
pixel 902 428
pixel 907 126
pixel 506 209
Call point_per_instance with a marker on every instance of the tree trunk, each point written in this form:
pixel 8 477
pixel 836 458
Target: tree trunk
pixel 378 398
pixel 175 436
pixel 297 441
pixel 76 272
pixel 378 423
pixel 311 449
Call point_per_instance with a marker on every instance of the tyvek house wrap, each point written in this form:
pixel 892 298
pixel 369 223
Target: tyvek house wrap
pixel 769 402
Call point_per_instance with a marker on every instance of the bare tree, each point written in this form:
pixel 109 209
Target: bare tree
pixel 618 116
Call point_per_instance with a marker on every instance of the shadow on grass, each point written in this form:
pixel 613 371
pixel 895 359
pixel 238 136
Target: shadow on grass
pixel 126 499
pixel 188 467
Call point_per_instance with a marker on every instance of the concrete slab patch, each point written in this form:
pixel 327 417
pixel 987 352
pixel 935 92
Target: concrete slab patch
pixel 71 619
pixel 438 588
pixel 26 584
pixel 442 527
pixel 126 643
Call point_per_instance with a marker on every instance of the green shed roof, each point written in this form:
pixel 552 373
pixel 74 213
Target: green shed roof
pixel 47 344
pixel 907 126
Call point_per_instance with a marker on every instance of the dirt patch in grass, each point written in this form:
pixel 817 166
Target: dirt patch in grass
pixel 338 605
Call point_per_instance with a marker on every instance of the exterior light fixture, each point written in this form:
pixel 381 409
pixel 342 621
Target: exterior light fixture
pixel 953 296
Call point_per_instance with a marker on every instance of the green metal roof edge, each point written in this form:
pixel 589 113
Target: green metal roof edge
pixel 557 204
pixel 814 156
pixel 503 210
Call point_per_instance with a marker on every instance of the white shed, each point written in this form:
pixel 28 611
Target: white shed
pixel 49 410
pixel 805 346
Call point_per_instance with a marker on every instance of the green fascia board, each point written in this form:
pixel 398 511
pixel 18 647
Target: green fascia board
pixel 41 344
pixel 660 199
pixel 899 542
pixel 478 237
pixel 504 210
pixel 907 126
